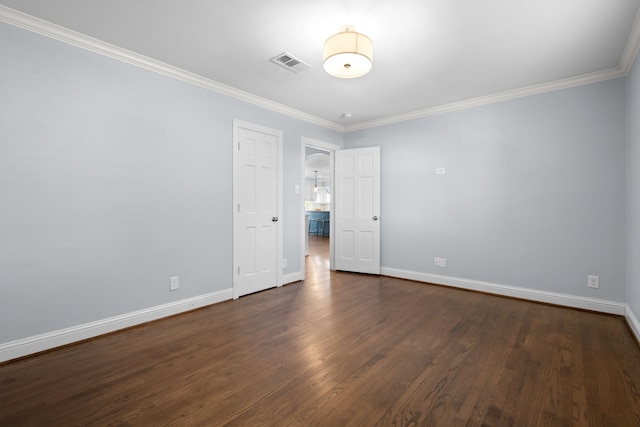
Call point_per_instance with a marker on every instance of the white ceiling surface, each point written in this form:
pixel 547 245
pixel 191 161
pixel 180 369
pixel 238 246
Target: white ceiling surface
pixel 320 163
pixel 427 53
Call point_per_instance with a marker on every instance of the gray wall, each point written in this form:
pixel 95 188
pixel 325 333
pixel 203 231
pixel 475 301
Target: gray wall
pixel 633 233
pixel 114 178
pixel 534 193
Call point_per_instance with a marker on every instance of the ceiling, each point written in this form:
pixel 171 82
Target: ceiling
pixel 317 164
pixel 427 53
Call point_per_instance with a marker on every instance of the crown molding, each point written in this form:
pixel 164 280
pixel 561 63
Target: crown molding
pixel 509 95
pixel 631 47
pixel 65 35
pixel 629 54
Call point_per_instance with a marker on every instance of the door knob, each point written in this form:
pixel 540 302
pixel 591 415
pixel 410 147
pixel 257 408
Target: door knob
pixel 375 218
pixel 274 219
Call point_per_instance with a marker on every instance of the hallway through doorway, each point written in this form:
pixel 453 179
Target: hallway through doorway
pixel 317 263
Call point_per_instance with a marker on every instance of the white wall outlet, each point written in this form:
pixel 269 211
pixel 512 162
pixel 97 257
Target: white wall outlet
pixel 296 188
pixel 175 283
pixel 440 262
pixel 441 171
pixel 593 281
pixel 284 263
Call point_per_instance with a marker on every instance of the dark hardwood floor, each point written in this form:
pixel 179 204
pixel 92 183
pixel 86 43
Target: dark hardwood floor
pixel 341 349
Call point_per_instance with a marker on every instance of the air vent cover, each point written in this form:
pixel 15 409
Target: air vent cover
pixel 290 62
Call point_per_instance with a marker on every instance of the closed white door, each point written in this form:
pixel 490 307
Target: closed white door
pixel 257 202
pixel 357 210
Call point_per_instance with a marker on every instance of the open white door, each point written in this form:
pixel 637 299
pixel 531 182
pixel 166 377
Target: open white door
pixel 357 210
pixel 256 202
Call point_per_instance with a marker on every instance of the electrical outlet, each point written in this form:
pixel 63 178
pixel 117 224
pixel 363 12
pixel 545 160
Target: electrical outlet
pixel 284 263
pixel 593 281
pixel 441 171
pixel 440 262
pixel 175 283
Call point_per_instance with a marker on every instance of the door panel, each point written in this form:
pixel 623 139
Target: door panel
pixel 256 204
pixel 366 246
pixel 357 210
pixel 346 247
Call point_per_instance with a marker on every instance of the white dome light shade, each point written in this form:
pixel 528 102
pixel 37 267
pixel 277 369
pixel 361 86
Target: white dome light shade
pixel 348 54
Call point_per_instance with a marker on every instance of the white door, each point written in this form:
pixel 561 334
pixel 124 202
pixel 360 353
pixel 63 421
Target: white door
pixel 256 205
pixel 357 210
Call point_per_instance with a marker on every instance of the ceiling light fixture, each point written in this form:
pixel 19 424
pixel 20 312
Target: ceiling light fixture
pixel 348 54
pixel 315 184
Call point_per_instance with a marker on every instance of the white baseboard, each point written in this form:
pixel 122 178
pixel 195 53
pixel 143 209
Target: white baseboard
pixel 38 343
pixel 632 320
pixel 290 278
pixel 566 300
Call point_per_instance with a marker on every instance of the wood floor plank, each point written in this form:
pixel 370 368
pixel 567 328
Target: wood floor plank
pixel 341 349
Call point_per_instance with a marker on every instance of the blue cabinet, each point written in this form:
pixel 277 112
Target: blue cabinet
pixel 319 222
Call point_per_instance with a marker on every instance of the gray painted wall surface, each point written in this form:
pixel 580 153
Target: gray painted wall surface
pixel 633 216
pixel 534 193
pixel 113 179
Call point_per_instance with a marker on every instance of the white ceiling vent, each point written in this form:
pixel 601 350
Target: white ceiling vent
pixel 290 62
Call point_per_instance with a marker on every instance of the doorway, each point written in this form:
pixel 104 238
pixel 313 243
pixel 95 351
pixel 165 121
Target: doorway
pixel 353 208
pixel 318 201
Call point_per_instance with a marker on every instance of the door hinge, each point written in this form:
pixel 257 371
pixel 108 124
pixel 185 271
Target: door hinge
pixel 238 270
pixel 238 207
